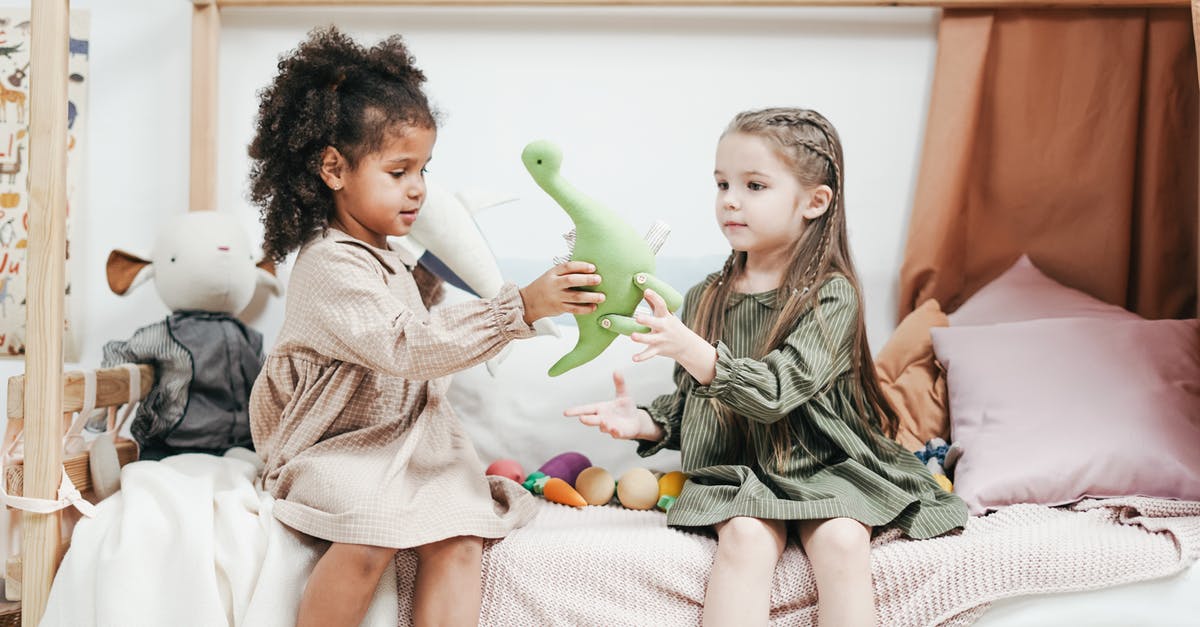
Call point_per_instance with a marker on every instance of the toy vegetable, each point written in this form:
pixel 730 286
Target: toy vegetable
pixel 554 489
pixel 669 487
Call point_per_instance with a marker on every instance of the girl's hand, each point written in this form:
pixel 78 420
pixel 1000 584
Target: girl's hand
pixel 670 337
pixel 619 417
pixel 551 293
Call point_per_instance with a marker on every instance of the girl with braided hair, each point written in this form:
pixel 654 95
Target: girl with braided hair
pixel 777 411
pixel 349 414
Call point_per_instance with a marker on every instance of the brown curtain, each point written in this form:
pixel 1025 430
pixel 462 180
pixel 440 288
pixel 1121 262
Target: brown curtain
pixel 1069 135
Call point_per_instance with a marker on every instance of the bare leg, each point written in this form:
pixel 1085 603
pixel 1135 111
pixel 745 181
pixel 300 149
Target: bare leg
pixel 447 591
pixel 840 552
pixel 342 584
pixel 739 586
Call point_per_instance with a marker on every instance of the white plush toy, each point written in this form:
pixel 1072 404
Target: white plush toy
pixel 446 231
pixel 205 359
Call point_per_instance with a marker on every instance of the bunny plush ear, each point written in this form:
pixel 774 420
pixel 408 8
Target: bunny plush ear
pixel 126 271
pixel 266 276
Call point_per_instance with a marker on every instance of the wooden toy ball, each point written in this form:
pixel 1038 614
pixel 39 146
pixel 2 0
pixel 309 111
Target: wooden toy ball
pixel 507 468
pixel 638 489
pixel 596 485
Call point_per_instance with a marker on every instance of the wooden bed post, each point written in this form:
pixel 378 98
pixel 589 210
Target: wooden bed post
pixel 44 321
pixel 206 32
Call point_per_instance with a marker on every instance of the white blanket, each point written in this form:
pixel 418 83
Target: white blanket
pixel 190 541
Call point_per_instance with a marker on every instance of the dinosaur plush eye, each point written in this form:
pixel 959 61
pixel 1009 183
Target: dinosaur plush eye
pixel 539 162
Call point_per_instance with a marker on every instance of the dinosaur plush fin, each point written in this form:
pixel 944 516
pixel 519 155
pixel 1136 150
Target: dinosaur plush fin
pixel 569 236
pixel 657 235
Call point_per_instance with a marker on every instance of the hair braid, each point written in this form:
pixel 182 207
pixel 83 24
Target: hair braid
pixel 818 261
pixel 727 269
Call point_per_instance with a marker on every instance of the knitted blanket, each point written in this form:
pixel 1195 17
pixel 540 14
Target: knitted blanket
pixel 197 544
pixel 610 566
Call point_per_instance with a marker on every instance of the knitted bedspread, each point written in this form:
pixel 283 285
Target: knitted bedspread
pixel 610 566
pixel 195 543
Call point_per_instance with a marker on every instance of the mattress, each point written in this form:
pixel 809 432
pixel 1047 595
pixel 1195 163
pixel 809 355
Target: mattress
pixel 1167 601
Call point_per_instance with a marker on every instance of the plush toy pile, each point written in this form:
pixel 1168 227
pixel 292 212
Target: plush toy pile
pixel 939 458
pixel 571 479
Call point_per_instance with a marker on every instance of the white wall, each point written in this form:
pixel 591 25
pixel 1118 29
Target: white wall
pixel 637 98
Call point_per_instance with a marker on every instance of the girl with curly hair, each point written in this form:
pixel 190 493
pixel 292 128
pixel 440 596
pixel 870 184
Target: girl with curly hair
pixel 349 414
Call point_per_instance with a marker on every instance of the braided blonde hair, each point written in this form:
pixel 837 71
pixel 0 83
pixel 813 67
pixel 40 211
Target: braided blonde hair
pixel 810 146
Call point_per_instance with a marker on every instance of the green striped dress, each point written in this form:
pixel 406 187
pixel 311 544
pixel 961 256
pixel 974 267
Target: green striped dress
pixel 831 472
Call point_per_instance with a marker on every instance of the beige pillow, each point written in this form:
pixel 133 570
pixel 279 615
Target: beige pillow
pixel 913 381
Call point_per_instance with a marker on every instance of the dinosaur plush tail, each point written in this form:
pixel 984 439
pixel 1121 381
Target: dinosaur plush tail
pixel 590 345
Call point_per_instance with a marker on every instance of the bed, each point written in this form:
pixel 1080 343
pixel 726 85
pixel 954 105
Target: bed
pixel 1114 561
pixel 1171 594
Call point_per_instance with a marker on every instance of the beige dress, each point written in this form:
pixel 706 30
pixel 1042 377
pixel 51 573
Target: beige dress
pixel 350 413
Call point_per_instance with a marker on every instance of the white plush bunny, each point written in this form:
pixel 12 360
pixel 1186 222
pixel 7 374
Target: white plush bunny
pixel 205 359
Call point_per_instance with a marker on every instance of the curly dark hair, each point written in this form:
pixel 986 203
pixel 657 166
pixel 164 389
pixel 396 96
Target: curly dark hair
pixel 330 91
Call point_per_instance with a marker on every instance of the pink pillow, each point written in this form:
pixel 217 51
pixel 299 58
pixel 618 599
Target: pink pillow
pixel 1024 293
pixel 1050 411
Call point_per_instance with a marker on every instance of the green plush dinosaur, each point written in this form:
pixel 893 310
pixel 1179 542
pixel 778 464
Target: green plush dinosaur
pixel 623 259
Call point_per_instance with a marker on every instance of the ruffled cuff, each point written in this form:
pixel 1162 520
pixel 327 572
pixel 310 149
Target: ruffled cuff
pixel 507 313
pixel 670 439
pixel 727 375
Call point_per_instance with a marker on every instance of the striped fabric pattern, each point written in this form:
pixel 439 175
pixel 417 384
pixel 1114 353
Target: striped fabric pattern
pixel 835 468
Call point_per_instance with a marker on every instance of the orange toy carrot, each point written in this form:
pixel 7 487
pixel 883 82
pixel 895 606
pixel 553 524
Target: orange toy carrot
pixel 558 491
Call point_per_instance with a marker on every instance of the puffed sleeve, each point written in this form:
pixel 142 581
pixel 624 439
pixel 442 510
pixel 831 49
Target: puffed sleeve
pixel 354 317
pixel 667 410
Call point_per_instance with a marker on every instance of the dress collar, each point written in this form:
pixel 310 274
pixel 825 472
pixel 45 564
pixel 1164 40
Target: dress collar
pixel 769 299
pixel 392 259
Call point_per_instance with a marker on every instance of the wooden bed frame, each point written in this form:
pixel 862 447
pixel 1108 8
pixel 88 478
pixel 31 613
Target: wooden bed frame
pixel 112 390
pixel 43 396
